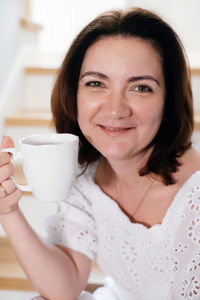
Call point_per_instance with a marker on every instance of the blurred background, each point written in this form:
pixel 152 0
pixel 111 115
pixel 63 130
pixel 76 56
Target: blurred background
pixel 34 36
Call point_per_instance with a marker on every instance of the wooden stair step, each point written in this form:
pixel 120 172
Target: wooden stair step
pixel 25 118
pixel 195 71
pixel 53 70
pixel 44 70
pixel 12 277
pixel 197 121
pixel 30 25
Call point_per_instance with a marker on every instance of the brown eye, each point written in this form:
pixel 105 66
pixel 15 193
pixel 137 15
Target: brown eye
pixel 143 89
pixel 94 84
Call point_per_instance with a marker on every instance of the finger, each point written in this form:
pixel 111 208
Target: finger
pixel 4 158
pixel 6 172
pixel 7 203
pixel 8 186
pixel 3 191
pixel 7 142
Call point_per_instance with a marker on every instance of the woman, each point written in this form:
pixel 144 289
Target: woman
pixel 124 89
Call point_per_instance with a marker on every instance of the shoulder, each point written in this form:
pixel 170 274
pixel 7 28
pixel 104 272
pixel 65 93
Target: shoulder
pixel 192 159
pixel 189 164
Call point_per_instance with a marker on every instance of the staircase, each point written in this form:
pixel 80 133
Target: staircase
pixel 34 115
pixel 27 111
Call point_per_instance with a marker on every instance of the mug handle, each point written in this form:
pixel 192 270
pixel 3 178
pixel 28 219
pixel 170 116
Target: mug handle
pixel 15 157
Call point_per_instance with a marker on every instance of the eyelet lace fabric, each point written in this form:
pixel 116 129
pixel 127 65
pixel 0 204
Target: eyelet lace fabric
pixel 161 262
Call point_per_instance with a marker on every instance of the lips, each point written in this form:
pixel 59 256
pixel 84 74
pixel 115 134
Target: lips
pixel 113 131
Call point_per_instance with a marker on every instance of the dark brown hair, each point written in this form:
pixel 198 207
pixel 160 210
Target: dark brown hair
pixel 174 135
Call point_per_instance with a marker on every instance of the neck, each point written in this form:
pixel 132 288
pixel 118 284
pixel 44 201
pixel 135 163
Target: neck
pixel 123 171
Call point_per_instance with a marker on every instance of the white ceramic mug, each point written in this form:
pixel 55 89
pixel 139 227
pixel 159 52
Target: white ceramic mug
pixel 49 163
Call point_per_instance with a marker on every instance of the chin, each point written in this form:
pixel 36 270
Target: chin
pixel 115 155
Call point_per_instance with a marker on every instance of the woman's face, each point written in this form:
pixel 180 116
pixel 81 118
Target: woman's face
pixel 121 95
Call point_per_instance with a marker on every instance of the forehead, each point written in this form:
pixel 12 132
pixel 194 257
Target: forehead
pixel 123 52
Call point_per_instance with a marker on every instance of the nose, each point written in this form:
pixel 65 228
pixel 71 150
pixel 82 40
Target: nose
pixel 118 106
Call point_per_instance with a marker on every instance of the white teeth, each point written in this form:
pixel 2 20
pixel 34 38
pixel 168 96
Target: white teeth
pixel 113 129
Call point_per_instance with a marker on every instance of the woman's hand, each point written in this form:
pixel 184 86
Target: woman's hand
pixel 49 264
pixel 9 194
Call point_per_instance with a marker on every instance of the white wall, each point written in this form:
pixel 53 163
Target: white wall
pixel 66 18
pixel 9 27
pixel 63 19
pixel 184 16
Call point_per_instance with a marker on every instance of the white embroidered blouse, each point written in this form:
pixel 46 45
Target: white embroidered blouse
pixel 161 262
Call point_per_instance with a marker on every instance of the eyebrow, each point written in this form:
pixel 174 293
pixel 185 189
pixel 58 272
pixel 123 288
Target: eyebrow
pixel 92 73
pixel 130 79
pixel 143 77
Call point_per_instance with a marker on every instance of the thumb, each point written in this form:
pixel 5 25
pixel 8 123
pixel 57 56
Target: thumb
pixel 7 142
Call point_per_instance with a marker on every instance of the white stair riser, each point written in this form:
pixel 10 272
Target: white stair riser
pixel 28 37
pixel 196 139
pixel 196 92
pixel 37 93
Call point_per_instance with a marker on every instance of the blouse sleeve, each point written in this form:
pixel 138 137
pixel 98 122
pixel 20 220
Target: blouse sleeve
pixel 74 226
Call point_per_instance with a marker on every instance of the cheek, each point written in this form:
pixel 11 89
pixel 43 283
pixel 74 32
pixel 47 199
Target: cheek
pixel 151 117
pixel 85 113
pixel 82 117
pixel 82 106
pixel 155 121
pixel 154 111
pixel 87 106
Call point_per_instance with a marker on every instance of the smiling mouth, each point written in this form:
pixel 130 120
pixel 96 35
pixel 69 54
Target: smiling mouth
pixel 111 129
